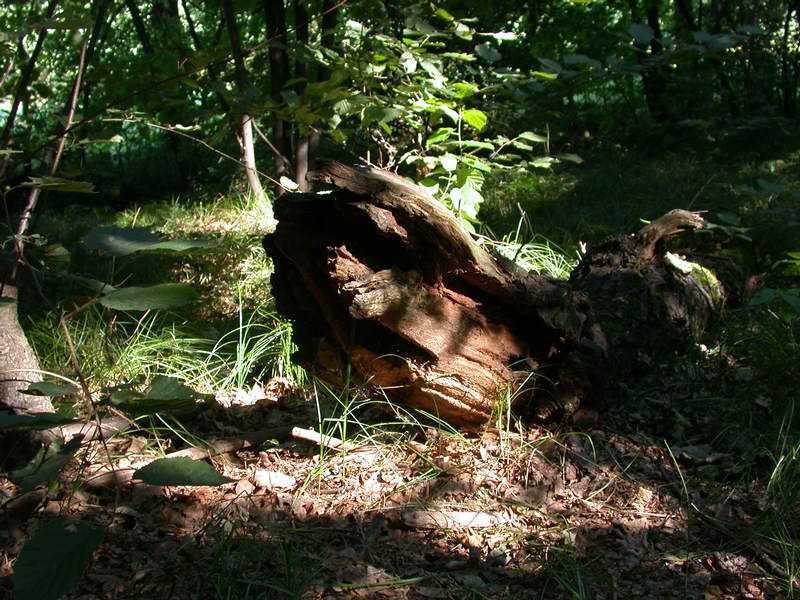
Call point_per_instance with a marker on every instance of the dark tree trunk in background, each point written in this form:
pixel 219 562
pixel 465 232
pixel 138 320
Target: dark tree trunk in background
pixel 138 25
pixel 302 159
pixel 380 275
pixel 279 76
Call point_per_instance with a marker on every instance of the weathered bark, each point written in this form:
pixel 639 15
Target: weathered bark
pixel 379 274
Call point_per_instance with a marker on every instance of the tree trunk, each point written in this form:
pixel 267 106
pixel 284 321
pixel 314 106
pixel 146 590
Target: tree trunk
pixel 380 275
pixel 244 133
pixel 279 75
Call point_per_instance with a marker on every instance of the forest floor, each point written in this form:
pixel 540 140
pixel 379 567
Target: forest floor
pixel 607 510
pixel 682 485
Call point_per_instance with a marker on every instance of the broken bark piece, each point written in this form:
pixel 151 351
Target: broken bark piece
pixel 380 275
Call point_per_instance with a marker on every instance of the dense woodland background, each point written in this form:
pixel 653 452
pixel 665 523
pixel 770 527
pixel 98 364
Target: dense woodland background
pixel 127 125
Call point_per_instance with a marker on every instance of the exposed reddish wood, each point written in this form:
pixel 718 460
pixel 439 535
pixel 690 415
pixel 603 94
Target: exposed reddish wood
pixel 379 274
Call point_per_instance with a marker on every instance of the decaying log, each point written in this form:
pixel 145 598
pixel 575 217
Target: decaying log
pixel 377 274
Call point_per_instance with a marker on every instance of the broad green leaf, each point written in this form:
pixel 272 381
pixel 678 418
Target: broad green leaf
pixel 430 185
pixel 554 66
pixel 443 14
pixel 440 135
pixel 59 184
pixel 463 31
pixel 458 56
pixel 163 295
pixel 164 394
pixel 522 146
pixel 449 112
pixel 475 144
pixel 120 241
pixel 471 200
pixel 476 118
pixel 543 162
pixel 169 388
pixel 46 466
pixel 476 162
pixel 582 59
pixel 449 162
pixel 180 471
pixel 48 388
pixel 137 405
pixel 408 62
pixel 532 137
pixel 9 420
pixel 463 89
pixel 472 178
pixel 487 52
pixel 424 27
pixel 52 562
pixel 381 114
pixel 431 67
pixel 771 187
pixel 643 34
pixel 568 156
pixel 93 284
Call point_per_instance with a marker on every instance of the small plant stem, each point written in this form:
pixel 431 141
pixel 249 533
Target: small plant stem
pixel 90 399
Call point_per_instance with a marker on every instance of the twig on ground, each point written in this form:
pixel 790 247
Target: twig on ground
pixel 215 448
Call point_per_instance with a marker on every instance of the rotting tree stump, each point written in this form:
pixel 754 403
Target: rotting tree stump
pixel 379 275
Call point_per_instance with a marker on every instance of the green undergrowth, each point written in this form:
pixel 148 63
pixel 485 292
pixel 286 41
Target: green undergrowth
pixel 614 191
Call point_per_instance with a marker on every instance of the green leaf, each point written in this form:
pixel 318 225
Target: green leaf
pixel 45 467
pixel 122 241
pixel 163 295
pixel 476 118
pixel 449 162
pixel 582 59
pixel 771 187
pixel 568 156
pixel 487 52
pixel 59 184
pixel 532 137
pixel 463 89
pixel 9 420
pixel 643 34
pixel 169 388
pixel 440 135
pixel 471 200
pixel 469 177
pixel 408 62
pixel 458 56
pixel 544 75
pixel 381 114
pixel 52 562
pixel 543 162
pixel 48 388
pixel 443 14
pixel 165 394
pixel 180 471
pixel 6 300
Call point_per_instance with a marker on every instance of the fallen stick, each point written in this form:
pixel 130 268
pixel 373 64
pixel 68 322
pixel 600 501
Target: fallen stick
pixel 215 448
pixel 448 519
pixel 326 441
